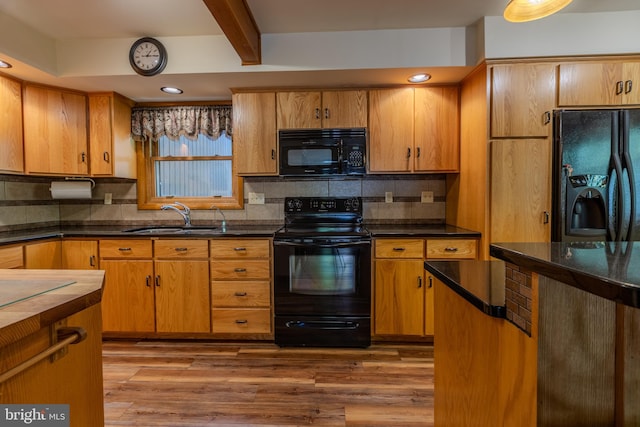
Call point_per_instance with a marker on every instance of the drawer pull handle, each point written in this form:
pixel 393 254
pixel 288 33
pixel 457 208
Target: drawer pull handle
pixel 240 294
pixel 92 261
pixel 419 282
pixel 157 281
pixel 628 85
pixel 450 249
pixel 430 282
pixel 240 270
pixel 124 249
pixel 619 87
pixel 181 249
pixel 239 249
pixel 242 322
pixel 148 281
pixel 398 249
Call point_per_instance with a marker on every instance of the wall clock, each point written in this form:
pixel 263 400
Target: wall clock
pixel 148 56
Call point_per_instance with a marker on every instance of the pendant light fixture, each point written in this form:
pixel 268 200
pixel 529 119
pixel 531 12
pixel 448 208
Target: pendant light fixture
pixel 530 10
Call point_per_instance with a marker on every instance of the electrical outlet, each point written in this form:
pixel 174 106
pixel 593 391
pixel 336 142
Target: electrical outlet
pixel 108 198
pixel 388 197
pixel 256 198
pixel 426 197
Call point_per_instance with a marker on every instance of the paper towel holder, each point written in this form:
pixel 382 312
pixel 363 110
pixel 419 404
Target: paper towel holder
pixel 81 178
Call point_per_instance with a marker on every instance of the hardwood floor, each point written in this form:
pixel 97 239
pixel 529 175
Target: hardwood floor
pixel 221 384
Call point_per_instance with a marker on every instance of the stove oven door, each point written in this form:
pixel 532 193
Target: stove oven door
pixel 322 292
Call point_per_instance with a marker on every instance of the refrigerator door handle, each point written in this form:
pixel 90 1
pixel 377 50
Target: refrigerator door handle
pixel 628 188
pixel 615 201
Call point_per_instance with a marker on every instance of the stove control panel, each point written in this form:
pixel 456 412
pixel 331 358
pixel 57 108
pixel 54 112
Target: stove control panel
pixel 323 204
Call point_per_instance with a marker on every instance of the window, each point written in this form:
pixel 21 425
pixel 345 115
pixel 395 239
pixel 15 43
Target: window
pixel 185 154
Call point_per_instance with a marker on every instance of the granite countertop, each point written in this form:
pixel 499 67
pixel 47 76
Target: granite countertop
pixel 33 299
pixel 481 283
pixel 416 230
pixel 610 270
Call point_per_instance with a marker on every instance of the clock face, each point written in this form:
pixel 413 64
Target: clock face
pixel 148 56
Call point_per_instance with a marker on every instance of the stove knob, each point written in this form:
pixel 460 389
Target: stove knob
pixel 355 203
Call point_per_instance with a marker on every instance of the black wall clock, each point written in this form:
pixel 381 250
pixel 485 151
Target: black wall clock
pixel 148 56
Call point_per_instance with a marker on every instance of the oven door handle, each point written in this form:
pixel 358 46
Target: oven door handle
pixel 322 245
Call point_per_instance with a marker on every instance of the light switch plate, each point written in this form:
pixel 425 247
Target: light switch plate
pixel 426 197
pixel 388 197
pixel 256 198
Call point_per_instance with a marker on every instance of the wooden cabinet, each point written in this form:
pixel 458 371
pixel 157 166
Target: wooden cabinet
pixel 111 147
pixel 254 133
pixel 11 151
pixel 599 83
pixel 414 130
pixel 241 286
pixel 328 109
pixel 522 99
pixel 80 254
pixel 399 287
pixel 520 190
pixel 182 285
pixel 55 131
pixel 12 257
pixel 128 284
pixel 43 255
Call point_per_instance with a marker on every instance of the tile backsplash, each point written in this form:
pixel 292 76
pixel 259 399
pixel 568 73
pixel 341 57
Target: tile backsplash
pixel 25 202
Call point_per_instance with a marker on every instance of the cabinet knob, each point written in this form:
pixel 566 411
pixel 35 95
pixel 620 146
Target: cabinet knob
pixel 84 157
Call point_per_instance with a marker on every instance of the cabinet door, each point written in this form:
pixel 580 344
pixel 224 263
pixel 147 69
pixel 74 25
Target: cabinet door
pixel 12 257
pixel 429 306
pixel 391 118
pixel 299 110
pixel 520 190
pixel 590 84
pixel 254 133
pixel 437 142
pixel 344 109
pixel 11 151
pixel 55 131
pixel 631 77
pixel 45 255
pixel 522 98
pixel 399 297
pixel 182 296
pixel 100 135
pixel 127 297
pixel 80 254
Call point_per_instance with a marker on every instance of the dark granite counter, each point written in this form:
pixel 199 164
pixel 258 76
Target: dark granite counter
pixel 610 270
pixel 413 230
pixel 481 283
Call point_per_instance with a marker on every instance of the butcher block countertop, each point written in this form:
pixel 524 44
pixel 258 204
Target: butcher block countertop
pixel 33 299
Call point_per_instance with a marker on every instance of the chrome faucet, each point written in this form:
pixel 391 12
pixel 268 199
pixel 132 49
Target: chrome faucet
pixel 223 225
pixel 185 212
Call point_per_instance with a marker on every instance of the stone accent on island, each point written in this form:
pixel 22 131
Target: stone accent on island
pixel 518 296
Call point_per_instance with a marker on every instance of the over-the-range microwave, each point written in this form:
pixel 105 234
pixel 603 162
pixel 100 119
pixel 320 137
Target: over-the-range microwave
pixel 322 152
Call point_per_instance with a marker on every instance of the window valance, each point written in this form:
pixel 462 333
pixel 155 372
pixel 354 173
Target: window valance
pixel 150 123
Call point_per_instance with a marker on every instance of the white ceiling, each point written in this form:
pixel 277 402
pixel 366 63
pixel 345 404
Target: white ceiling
pixel 69 21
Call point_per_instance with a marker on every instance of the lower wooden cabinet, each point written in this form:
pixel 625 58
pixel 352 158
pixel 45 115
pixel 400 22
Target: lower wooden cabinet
pixel 403 291
pixel 43 255
pixel 80 254
pixel 12 257
pixel 241 286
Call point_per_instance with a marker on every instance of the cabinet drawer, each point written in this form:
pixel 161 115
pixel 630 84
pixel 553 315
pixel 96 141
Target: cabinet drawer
pixel 240 269
pixel 451 248
pixel 11 257
pixel 182 248
pixel 241 321
pixel 399 248
pixel 240 248
pixel 125 248
pixel 241 294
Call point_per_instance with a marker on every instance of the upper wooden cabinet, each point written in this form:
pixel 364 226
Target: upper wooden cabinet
pixel 437 129
pixel 329 109
pixel 112 150
pixel 522 99
pixel 55 131
pixel 599 83
pixel 11 152
pixel 254 133
pixel 414 130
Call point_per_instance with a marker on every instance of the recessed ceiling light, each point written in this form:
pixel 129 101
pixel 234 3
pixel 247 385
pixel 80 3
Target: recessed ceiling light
pixel 419 78
pixel 171 90
pixel 5 64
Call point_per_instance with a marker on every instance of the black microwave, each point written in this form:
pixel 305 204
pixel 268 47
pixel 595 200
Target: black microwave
pixel 321 152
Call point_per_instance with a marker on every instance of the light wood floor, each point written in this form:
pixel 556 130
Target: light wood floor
pixel 212 384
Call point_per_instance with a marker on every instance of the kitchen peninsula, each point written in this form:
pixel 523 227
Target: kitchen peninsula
pixel 50 341
pixel 547 336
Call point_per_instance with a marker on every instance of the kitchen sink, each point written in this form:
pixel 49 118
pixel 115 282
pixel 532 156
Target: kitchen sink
pixel 172 230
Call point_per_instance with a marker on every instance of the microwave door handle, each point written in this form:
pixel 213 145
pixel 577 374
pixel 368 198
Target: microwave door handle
pixel 321 245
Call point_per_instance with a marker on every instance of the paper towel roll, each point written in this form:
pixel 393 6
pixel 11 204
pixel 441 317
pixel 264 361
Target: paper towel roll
pixel 71 189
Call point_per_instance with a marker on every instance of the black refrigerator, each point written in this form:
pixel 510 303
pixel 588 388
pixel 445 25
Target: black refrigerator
pixel 596 175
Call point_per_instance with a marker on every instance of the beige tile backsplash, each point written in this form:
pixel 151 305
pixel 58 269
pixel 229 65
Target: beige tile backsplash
pixel 26 201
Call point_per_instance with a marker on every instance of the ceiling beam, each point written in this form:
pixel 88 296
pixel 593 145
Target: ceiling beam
pixel 237 23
